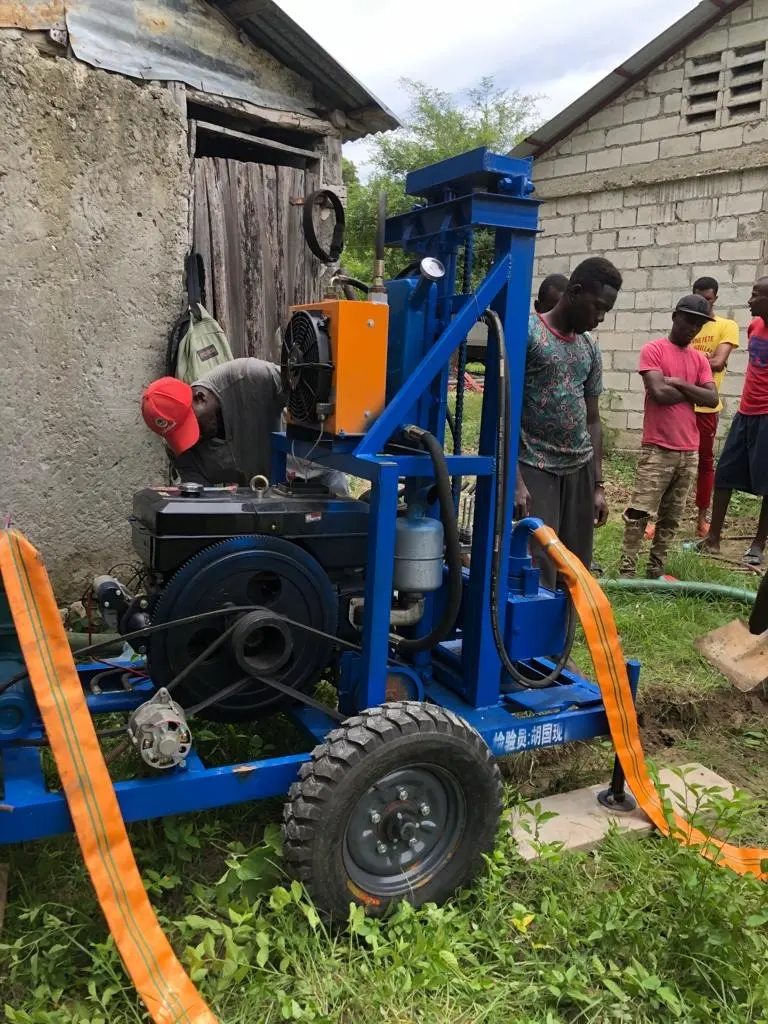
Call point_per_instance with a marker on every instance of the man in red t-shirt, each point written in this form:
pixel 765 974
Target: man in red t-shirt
pixel 743 464
pixel 677 378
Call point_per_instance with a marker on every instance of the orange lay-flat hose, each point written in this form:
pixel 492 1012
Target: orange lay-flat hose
pixel 167 992
pixel 594 611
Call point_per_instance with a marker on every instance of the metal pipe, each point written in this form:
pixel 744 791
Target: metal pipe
pixel 461 365
pixel 412 613
pixel 616 798
pixel 377 291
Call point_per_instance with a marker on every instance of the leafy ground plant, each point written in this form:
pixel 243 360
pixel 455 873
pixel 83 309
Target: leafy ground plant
pixel 644 931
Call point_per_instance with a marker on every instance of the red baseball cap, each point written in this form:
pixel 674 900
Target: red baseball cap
pixel 167 409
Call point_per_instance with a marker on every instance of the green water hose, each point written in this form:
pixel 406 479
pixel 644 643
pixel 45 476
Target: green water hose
pixel 684 588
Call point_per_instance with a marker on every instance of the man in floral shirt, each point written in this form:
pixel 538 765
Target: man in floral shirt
pixel 560 476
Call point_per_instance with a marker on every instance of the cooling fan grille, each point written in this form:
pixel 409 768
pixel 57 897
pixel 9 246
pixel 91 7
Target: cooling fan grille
pixel 306 366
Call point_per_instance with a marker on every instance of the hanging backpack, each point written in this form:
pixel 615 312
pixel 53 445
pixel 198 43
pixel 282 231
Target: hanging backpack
pixel 197 342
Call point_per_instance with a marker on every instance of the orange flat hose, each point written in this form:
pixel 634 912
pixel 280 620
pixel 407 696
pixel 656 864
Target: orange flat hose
pixel 594 611
pixel 160 980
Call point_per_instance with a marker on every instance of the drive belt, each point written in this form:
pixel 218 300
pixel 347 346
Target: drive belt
pixel 160 980
pixel 594 611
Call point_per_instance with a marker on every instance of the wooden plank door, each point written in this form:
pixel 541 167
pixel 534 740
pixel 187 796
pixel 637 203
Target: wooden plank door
pixel 247 228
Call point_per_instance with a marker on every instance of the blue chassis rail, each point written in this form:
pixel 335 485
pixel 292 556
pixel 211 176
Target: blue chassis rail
pixel 524 721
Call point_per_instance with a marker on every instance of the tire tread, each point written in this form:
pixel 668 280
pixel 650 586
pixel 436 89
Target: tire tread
pixel 310 797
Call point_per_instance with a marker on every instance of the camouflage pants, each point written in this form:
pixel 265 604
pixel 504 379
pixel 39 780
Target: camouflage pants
pixel 664 478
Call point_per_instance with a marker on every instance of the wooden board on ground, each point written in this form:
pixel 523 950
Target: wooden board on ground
pixel 740 656
pixel 582 823
pixel 3 892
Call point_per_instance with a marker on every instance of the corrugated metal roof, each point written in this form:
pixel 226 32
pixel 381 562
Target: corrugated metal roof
pixel 184 41
pixel 273 30
pixel 210 50
pixel 664 46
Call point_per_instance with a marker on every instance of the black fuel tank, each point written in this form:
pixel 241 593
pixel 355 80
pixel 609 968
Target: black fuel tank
pixel 170 525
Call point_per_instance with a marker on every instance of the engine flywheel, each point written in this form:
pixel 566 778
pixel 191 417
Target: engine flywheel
pixel 270 573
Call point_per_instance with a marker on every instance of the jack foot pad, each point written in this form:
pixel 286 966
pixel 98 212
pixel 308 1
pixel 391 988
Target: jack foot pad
pixel 621 803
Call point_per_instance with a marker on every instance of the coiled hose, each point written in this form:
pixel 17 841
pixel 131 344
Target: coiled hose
pixel 452 545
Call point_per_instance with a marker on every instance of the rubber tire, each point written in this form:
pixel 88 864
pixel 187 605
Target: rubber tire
pixel 364 749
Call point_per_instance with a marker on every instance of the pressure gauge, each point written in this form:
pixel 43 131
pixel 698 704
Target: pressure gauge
pixel 431 269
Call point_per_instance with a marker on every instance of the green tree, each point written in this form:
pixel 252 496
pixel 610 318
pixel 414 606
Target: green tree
pixel 437 125
pixel 349 172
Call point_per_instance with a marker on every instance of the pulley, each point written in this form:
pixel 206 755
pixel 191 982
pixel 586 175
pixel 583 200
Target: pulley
pixel 280 581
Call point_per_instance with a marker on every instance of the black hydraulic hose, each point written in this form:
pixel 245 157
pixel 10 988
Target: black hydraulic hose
pixel 351 283
pixel 408 271
pixel 452 545
pixel 504 465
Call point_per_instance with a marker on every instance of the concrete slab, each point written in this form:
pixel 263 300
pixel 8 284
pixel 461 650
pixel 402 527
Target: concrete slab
pixel 3 892
pixel 582 823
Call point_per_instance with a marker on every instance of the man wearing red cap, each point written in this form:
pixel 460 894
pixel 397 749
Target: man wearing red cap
pixel 218 431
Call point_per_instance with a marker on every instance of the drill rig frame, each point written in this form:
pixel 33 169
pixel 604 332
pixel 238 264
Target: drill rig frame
pixel 380 796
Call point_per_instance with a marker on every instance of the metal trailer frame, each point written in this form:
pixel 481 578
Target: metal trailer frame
pixel 478 190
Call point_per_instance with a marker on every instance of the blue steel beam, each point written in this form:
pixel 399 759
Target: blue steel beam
pixel 36 812
pixel 480 658
pixel 454 220
pixel 378 587
pixel 407 464
pixel 434 361
pixel 475 167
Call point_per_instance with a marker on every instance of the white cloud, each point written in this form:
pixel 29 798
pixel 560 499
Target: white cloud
pixel 559 49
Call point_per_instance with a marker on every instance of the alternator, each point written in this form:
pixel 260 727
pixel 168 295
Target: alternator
pixel 159 731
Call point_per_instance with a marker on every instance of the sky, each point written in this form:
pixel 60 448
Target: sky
pixel 559 49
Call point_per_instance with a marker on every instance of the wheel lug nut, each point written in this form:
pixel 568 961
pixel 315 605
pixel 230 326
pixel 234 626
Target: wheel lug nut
pixel 424 810
pixel 381 847
pixel 402 794
pixel 413 842
pixel 375 817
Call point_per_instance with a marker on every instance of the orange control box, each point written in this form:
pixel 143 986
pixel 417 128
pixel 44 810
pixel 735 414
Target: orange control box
pixel 358 352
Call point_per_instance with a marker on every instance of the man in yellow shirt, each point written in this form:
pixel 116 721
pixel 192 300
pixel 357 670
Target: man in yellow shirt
pixel 716 341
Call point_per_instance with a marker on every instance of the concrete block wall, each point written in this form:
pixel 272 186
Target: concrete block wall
pixel 648 122
pixel 664 204
pixel 662 237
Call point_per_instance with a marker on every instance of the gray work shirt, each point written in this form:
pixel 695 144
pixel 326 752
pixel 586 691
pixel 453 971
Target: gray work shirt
pixel 251 399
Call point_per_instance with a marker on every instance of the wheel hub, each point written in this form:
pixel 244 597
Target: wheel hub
pixel 403 829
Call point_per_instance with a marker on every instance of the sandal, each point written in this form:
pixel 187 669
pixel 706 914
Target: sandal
pixel 754 558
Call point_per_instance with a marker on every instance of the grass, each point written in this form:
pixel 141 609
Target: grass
pixel 659 630
pixel 644 932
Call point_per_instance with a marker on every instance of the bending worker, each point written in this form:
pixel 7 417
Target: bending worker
pixel 218 431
